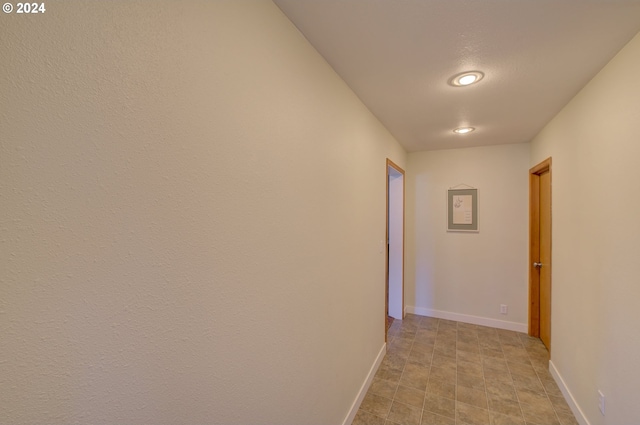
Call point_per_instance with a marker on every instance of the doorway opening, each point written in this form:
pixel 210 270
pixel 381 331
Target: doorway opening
pixel 540 252
pixel 394 299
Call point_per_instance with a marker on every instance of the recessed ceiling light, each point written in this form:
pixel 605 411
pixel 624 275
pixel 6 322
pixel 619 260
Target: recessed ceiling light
pixel 466 78
pixel 463 130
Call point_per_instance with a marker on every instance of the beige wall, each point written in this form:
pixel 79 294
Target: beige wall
pixel 595 335
pixel 192 207
pixel 466 276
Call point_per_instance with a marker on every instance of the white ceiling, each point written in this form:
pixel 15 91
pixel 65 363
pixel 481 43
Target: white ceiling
pixel 397 56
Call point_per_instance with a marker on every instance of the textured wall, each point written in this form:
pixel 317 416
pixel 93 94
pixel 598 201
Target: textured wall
pixel 191 208
pixel 469 274
pixel 595 320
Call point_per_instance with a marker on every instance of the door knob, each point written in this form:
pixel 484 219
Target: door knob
pixel 537 265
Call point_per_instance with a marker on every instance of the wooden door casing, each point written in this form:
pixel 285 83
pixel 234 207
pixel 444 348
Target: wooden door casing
pixel 540 219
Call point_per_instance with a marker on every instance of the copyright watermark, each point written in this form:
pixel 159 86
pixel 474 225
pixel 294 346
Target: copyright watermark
pixel 24 8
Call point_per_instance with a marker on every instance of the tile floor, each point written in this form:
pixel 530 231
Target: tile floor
pixel 440 372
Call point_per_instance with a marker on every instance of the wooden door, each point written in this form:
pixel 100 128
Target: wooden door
pixel 540 252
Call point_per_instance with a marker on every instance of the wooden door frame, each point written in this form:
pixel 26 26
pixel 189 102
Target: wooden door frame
pixel 534 243
pixel 386 267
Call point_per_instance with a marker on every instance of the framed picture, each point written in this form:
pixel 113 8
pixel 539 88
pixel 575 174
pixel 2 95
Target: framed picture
pixel 462 210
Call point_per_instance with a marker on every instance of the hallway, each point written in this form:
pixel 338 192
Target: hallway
pixel 441 372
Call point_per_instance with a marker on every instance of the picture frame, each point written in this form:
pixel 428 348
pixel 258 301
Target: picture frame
pixel 462 210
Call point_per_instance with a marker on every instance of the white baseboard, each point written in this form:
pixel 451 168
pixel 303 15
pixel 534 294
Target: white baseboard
pixel 577 412
pixel 365 386
pixel 475 320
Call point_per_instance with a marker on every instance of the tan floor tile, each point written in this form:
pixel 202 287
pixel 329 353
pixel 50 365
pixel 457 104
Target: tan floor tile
pixel 429 322
pixel 489 342
pixel 441 360
pixel 366 418
pixel 446 332
pixel 383 388
pixel 429 418
pixel 408 334
pixel 412 318
pixel 470 415
pixel 426 335
pixel 410 396
pixel 500 419
pixel 445 338
pixel 446 335
pixel 497 375
pixel 529 396
pixel 440 405
pixel 395 357
pixel 473 397
pixel 401 342
pixel 388 374
pixel 514 351
pixel 505 406
pixel 539 359
pixel 469 368
pixel 445 343
pixel 467 338
pixel 446 348
pixel 560 405
pixel 518 358
pixel 422 347
pixel 393 330
pixel 469 347
pixel 441 388
pixel 538 352
pixel 403 414
pixel 467 329
pixel 501 391
pixel 417 382
pixel 551 388
pixel 445 373
pixel 505 333
pixel 567 419
pixel 376 405
pixel 537 349
pixel 482 328
pixel 416 369
pixel 490 352
pixel 469 357
pixel 471 381
pixel 522 369
pixel 462 374
pixel 417 357
pixel 532 383
pixel 415 376
pixel 511 342
pixel 444 323
pixel 464 325
pixel 495 363
pixel 393 361
pixel 539 413
pixel 447 351
pixel 402 353
pixel 543 373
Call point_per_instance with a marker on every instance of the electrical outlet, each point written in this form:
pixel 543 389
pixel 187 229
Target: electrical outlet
pixel 601 402
pixel 503 309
